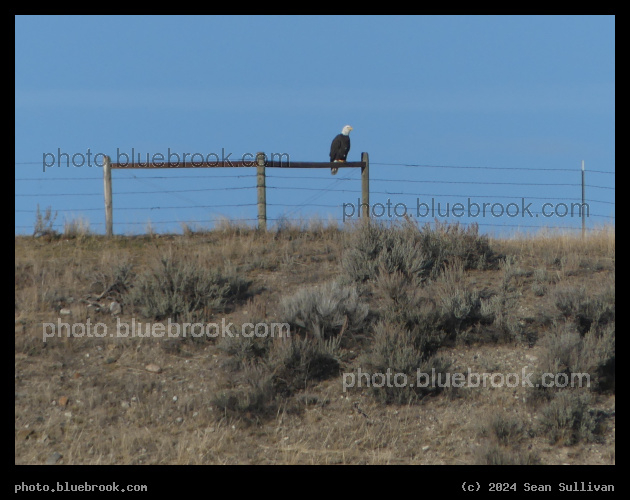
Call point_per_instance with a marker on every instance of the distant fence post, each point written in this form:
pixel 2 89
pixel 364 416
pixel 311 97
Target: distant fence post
pixel 583 210
pixel 107 183
pixel 262 194
pixel 365 185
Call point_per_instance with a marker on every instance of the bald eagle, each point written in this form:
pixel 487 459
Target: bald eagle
pixel 340 147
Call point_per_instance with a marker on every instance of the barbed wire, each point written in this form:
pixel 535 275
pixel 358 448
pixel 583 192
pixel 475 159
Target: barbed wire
pixel 286 219
pixel 152 177
pixel 289 205
pixel 331 187
pixel 375 180
pixel 610 172
pixel 144 192
pixel 493 168
pixel 433 195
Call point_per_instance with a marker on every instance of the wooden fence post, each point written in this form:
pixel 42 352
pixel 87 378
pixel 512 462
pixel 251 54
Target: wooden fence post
pixel 107 183
pixel 365 185
pixel 262 191
pixel 583 203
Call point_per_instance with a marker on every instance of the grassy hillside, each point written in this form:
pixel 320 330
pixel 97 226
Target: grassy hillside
pixel 368 308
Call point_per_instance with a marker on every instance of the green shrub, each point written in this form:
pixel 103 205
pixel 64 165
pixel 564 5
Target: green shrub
pixel 376 246
pixel 446 242
pixel 507 429
pixel 497 455
pixel 569 353
pixel 268 382
pixel 243 350
pixel 324 311
pixel 396 350
pixel 299 361
pixel 255 399
pixel 454 309
pixel 598 358
pixel 460 308
pixel 176 287
pixel 116 282
pixel 510 270
pixel 405 305
pixel 541 279
pixel 586 309
pixel 568 420
pixel 416 253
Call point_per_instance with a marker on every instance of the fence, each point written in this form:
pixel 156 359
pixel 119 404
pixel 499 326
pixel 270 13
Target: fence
pixel 261 162
pixel 432 194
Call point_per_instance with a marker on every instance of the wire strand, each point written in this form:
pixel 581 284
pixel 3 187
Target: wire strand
pixel 311 199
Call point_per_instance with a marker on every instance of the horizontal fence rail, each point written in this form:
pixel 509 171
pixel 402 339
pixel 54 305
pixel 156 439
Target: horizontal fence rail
pixel 238 164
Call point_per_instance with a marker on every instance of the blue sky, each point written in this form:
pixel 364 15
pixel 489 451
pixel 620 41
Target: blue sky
pixel 451 109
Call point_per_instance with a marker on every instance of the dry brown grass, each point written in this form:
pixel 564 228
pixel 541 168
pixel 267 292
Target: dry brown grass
pixel 117 412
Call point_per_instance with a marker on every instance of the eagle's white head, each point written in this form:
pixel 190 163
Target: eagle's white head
pixel 346 130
